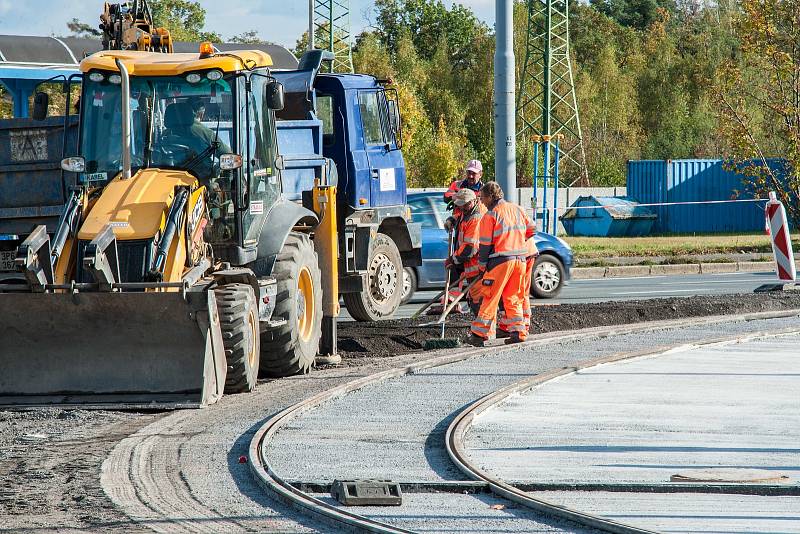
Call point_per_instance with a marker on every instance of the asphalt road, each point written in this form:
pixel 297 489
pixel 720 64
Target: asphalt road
pixel 646 287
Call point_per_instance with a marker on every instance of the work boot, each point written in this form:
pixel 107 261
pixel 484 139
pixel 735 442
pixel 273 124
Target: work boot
pixel 502 334
pixel 475 341
pixel 513 338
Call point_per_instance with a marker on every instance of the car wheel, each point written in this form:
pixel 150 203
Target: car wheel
pixel 548 277
pixel 409 284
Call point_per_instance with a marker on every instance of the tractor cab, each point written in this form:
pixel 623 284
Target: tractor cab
pixel 209 117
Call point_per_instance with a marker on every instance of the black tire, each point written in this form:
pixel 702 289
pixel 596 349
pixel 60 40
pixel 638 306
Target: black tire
pixel 409 284
pixel 238 318
pixel 291 349
pixel 381 297
pixel 547 277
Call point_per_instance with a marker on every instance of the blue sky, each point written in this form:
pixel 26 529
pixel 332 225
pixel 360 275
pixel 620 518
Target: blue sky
pixel 281 21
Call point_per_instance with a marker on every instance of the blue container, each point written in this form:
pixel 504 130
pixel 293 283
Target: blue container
pixel 695 180
pixel 613 217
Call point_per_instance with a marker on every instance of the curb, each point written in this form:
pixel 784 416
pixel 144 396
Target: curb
pixel 622 271
pixel 280 490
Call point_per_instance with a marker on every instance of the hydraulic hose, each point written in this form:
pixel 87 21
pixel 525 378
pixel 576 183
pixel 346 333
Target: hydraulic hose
pixel 175 212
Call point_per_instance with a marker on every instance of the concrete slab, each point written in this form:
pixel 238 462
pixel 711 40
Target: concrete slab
pixel 755 266
pixel 628 270
pixel 732 514
pixel 731 409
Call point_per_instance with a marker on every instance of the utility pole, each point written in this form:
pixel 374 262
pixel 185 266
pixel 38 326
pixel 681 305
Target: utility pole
pixel 546 102
pixel 505 146
pixel 329 29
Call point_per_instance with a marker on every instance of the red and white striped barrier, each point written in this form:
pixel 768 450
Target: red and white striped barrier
pixel 781 242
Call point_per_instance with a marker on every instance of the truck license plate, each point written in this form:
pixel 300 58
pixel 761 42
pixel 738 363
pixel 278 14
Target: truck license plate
pixel 7 260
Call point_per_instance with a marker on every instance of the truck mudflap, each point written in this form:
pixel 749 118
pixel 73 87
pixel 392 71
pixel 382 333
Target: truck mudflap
pixel 111 350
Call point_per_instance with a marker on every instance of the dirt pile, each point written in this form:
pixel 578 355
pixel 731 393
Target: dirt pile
pixel 391 338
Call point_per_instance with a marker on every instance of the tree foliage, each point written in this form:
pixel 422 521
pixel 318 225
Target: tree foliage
pixel 184 19
pixel 759 93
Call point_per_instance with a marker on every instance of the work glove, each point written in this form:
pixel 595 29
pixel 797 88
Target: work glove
pixel 450 264
pixel 449 224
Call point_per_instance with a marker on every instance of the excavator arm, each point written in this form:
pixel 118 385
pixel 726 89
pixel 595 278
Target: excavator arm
pixel 130 26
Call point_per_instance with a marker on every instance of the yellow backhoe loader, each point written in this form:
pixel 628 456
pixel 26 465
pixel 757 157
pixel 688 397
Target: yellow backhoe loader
pixel 178 269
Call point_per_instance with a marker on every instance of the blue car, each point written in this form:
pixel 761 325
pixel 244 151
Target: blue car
pixel 550 272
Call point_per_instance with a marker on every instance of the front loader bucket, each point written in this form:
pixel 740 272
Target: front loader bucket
pixel 111 350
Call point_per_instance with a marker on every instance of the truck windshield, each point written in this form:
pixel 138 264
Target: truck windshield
pixel 175 124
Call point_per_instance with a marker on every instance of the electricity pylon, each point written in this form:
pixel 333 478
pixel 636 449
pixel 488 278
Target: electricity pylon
pixel 546 102
pixel 329 29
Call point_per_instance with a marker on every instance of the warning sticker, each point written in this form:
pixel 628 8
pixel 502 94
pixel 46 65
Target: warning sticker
pixel 257 207
pixel 28 145
pixel 387 180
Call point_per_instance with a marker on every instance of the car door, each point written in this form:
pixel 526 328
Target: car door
pixel 434 242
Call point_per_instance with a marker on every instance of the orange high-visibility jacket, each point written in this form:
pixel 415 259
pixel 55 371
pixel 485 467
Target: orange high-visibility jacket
pixel 460 184
pixel 503 232
pixel 532 251
pixel 468 239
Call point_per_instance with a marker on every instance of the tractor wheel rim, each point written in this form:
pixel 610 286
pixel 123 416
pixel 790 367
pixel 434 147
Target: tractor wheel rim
pixel 305 304
pixel 547 277
pixel 383 277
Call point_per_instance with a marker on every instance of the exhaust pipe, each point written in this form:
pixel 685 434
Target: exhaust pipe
pixel 126 120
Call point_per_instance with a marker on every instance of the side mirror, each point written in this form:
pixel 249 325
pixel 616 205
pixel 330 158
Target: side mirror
pixel 273 94
pixel 394 116
pixel 40 103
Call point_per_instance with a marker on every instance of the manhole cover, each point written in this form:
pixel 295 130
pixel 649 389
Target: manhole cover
pixel 731 476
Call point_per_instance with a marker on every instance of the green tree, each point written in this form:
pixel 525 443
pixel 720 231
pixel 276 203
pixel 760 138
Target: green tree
pixel 184 19
pixel 81 29
pixel 248 37
pixel 759 93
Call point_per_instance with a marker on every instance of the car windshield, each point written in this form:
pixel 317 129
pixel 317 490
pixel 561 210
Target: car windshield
pixel 174 124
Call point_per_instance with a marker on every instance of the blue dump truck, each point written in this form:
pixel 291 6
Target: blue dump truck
pixel 348 122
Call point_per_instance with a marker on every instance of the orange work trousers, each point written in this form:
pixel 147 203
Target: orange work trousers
pixel 504 282
pixel 504 323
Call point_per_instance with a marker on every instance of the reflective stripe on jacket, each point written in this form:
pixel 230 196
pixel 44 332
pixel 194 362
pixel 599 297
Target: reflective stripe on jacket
pixel 468 240
pixel 504 231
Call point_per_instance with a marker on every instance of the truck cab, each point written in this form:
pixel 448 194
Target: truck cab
pixel 353 121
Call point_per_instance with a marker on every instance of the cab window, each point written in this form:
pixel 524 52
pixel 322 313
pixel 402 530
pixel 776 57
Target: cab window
pixel 422 212
pixel 371 121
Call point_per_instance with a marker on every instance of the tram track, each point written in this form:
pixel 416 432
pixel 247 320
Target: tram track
pixel 291 491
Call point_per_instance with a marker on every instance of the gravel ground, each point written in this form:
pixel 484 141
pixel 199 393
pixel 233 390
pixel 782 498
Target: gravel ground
pixel 49 463
pixel 53 482
pixel 395 429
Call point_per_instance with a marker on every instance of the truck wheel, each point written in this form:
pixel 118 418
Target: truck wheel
pixel 291 348
pixel 409 284
pixel 381 297
pixel 238 318
pixel 548 277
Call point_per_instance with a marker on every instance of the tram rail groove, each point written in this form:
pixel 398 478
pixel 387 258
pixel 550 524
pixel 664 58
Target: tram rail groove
pixel 457 431
pixel 285 492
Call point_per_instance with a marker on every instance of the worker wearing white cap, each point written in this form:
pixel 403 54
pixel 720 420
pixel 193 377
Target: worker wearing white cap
pixel 472 180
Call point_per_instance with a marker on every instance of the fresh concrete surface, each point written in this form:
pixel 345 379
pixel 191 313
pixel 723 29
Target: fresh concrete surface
pixel 395 429
pixel 729 408
pixel 700 513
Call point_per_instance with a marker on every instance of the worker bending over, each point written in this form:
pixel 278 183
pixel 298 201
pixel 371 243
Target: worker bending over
pixel 472 180
pixel 502 252
pixel 463 264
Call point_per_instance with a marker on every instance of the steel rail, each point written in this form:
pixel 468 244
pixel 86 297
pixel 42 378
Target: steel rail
pixel 460 426
pixel 283 491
